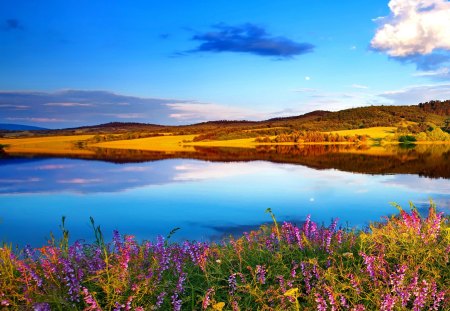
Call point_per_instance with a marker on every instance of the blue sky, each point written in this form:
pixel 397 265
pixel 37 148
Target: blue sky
pixel 178 62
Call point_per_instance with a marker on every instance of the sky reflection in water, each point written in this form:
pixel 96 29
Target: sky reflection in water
pixel 205 199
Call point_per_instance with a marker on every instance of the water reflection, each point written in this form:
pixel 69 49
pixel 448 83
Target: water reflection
pixel 209 199
pixel 424 160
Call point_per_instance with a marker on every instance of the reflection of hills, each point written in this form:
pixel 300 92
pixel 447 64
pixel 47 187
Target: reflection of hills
pixel 424 160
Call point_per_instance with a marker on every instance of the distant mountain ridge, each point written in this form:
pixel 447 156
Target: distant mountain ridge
pixel 433 112
pixel 20 127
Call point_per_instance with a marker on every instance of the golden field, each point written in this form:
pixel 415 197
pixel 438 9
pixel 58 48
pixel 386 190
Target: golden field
pixel 46 145
pixel 373 132
pixel 167 143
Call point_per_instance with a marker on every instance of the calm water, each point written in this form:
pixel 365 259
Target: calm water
pixel 209 199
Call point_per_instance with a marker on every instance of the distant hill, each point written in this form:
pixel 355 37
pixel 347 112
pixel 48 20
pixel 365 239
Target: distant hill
pixel 432 112
pixel 20 127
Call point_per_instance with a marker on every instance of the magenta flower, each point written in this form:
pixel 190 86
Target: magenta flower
pixel 261 274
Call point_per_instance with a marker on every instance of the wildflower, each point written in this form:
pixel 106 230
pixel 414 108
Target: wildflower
pixel 232 284
pixel 396 279
pixel 339 237
pixel 369 261
pixel 71 279
pixel 117 240
pixel 207 299
pixel 321 303
pixel 388 303
pixel 421 296
pixel 343 301
pixel 354 283
pixel 41 306
pixel 181 279
pixel 90 301
pixel 437 300
pixel 261 274
pixel 293 269
pixel 331 299
pixel 176 303
pixel 160 299
pixel 219 306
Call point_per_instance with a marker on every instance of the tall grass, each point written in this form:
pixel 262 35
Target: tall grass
pixel 399 264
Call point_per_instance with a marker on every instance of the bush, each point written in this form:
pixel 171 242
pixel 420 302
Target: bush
pixel 407 139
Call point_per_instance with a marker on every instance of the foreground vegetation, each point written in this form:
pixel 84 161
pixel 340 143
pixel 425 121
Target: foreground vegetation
pixel 400 264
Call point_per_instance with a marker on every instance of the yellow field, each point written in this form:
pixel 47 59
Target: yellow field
pixel 241 143
pixel 168 143
pixel 159 143
pixel 373 132
pixel 45 145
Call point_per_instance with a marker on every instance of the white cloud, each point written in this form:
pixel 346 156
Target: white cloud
pixel 307 78
pixel 68 105
pixel 305 90
pixel 206 171
pixel 414 27
pixel 16 107
pixel 417 93
pixel 420 184
pixel 442 72
pixel 210 112
pixel 131 115
pixel 80 181
pixel 40 120
pixel 359 86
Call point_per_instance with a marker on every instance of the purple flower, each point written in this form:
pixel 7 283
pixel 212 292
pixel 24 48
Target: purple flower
pixel 261 274
pixel 388 303
pixel 232 284
pixel 421 296
pixel 160 299
pixel 321 303
pixel 176 303
pixel 71 279
pixel 41 306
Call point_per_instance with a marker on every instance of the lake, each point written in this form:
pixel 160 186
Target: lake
pixel 214 192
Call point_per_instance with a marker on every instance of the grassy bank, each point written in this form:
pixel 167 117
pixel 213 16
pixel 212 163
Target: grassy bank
pixel 400 264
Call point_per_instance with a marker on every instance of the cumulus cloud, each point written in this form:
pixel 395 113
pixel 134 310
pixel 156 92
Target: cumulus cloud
pixel 249 38
pixel 414 27
pixel 418 32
